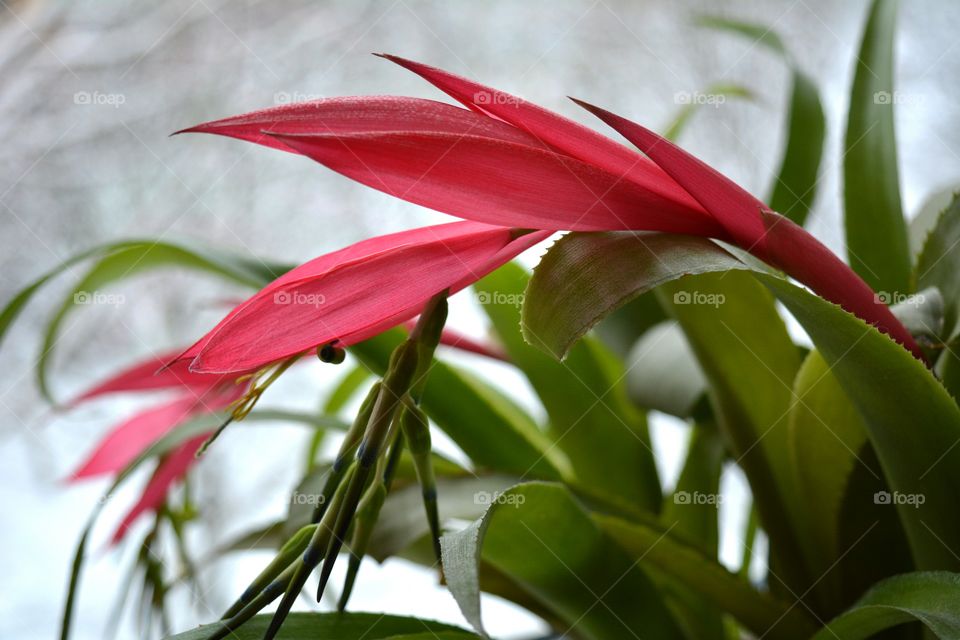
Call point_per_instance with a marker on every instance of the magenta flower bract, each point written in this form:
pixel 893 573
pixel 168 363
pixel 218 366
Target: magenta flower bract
pixel 508 162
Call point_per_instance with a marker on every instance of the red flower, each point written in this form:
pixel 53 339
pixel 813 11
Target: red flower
pixel 196 394
pixel 506 161
pixel 355 293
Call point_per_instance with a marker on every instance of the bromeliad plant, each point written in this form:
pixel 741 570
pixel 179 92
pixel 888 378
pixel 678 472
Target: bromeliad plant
pixel 848 446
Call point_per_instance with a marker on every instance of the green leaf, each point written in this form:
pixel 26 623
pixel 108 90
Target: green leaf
pixel 571 290
pixel 402 523
pixel 938 264
pixel 892 390
pixel 682 119
pixel 663 374
pixel 188 430
pixel 696 519
pixel 540 536
pixel 796 185
pixel 826 437
pixel 932 598
pixel 927 216
pixel 877 240
pixel 121 260
pixel 756 33
pixel 336 626
pixel 656 547
pixel 491 429
pixel 731 324
pixel 590 418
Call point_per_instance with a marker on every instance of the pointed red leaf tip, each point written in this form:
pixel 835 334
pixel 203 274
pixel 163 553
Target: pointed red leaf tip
pixel 132 437
pixel 169 471
pixel 734 208
pixel 561 134
pixel 355 293
pixel 474 166
pixel 150 374
pixel 763 232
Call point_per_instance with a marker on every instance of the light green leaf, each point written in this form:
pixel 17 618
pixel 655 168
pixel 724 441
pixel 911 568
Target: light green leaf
pixel 826 437
pixel 121 260
pixel 877 240
pixel 336 626
pixel 932 598
pixel 756 33
pixel 540 536
pixel 590 418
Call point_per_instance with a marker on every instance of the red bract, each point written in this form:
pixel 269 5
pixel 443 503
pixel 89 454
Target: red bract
pixel 197 394
pixel 509 162
pixel 355 293
pixel 169 471
pixel 472 166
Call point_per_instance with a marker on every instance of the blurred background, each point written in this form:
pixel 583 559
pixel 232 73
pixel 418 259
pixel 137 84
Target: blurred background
pixel 90 90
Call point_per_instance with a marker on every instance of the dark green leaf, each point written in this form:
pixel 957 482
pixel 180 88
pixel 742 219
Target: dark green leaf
pixel 336 626
pixel 932 598
pixel 877 240
pixel 688 515
pixel 656 547
pixel 796 184
pixel 892 391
